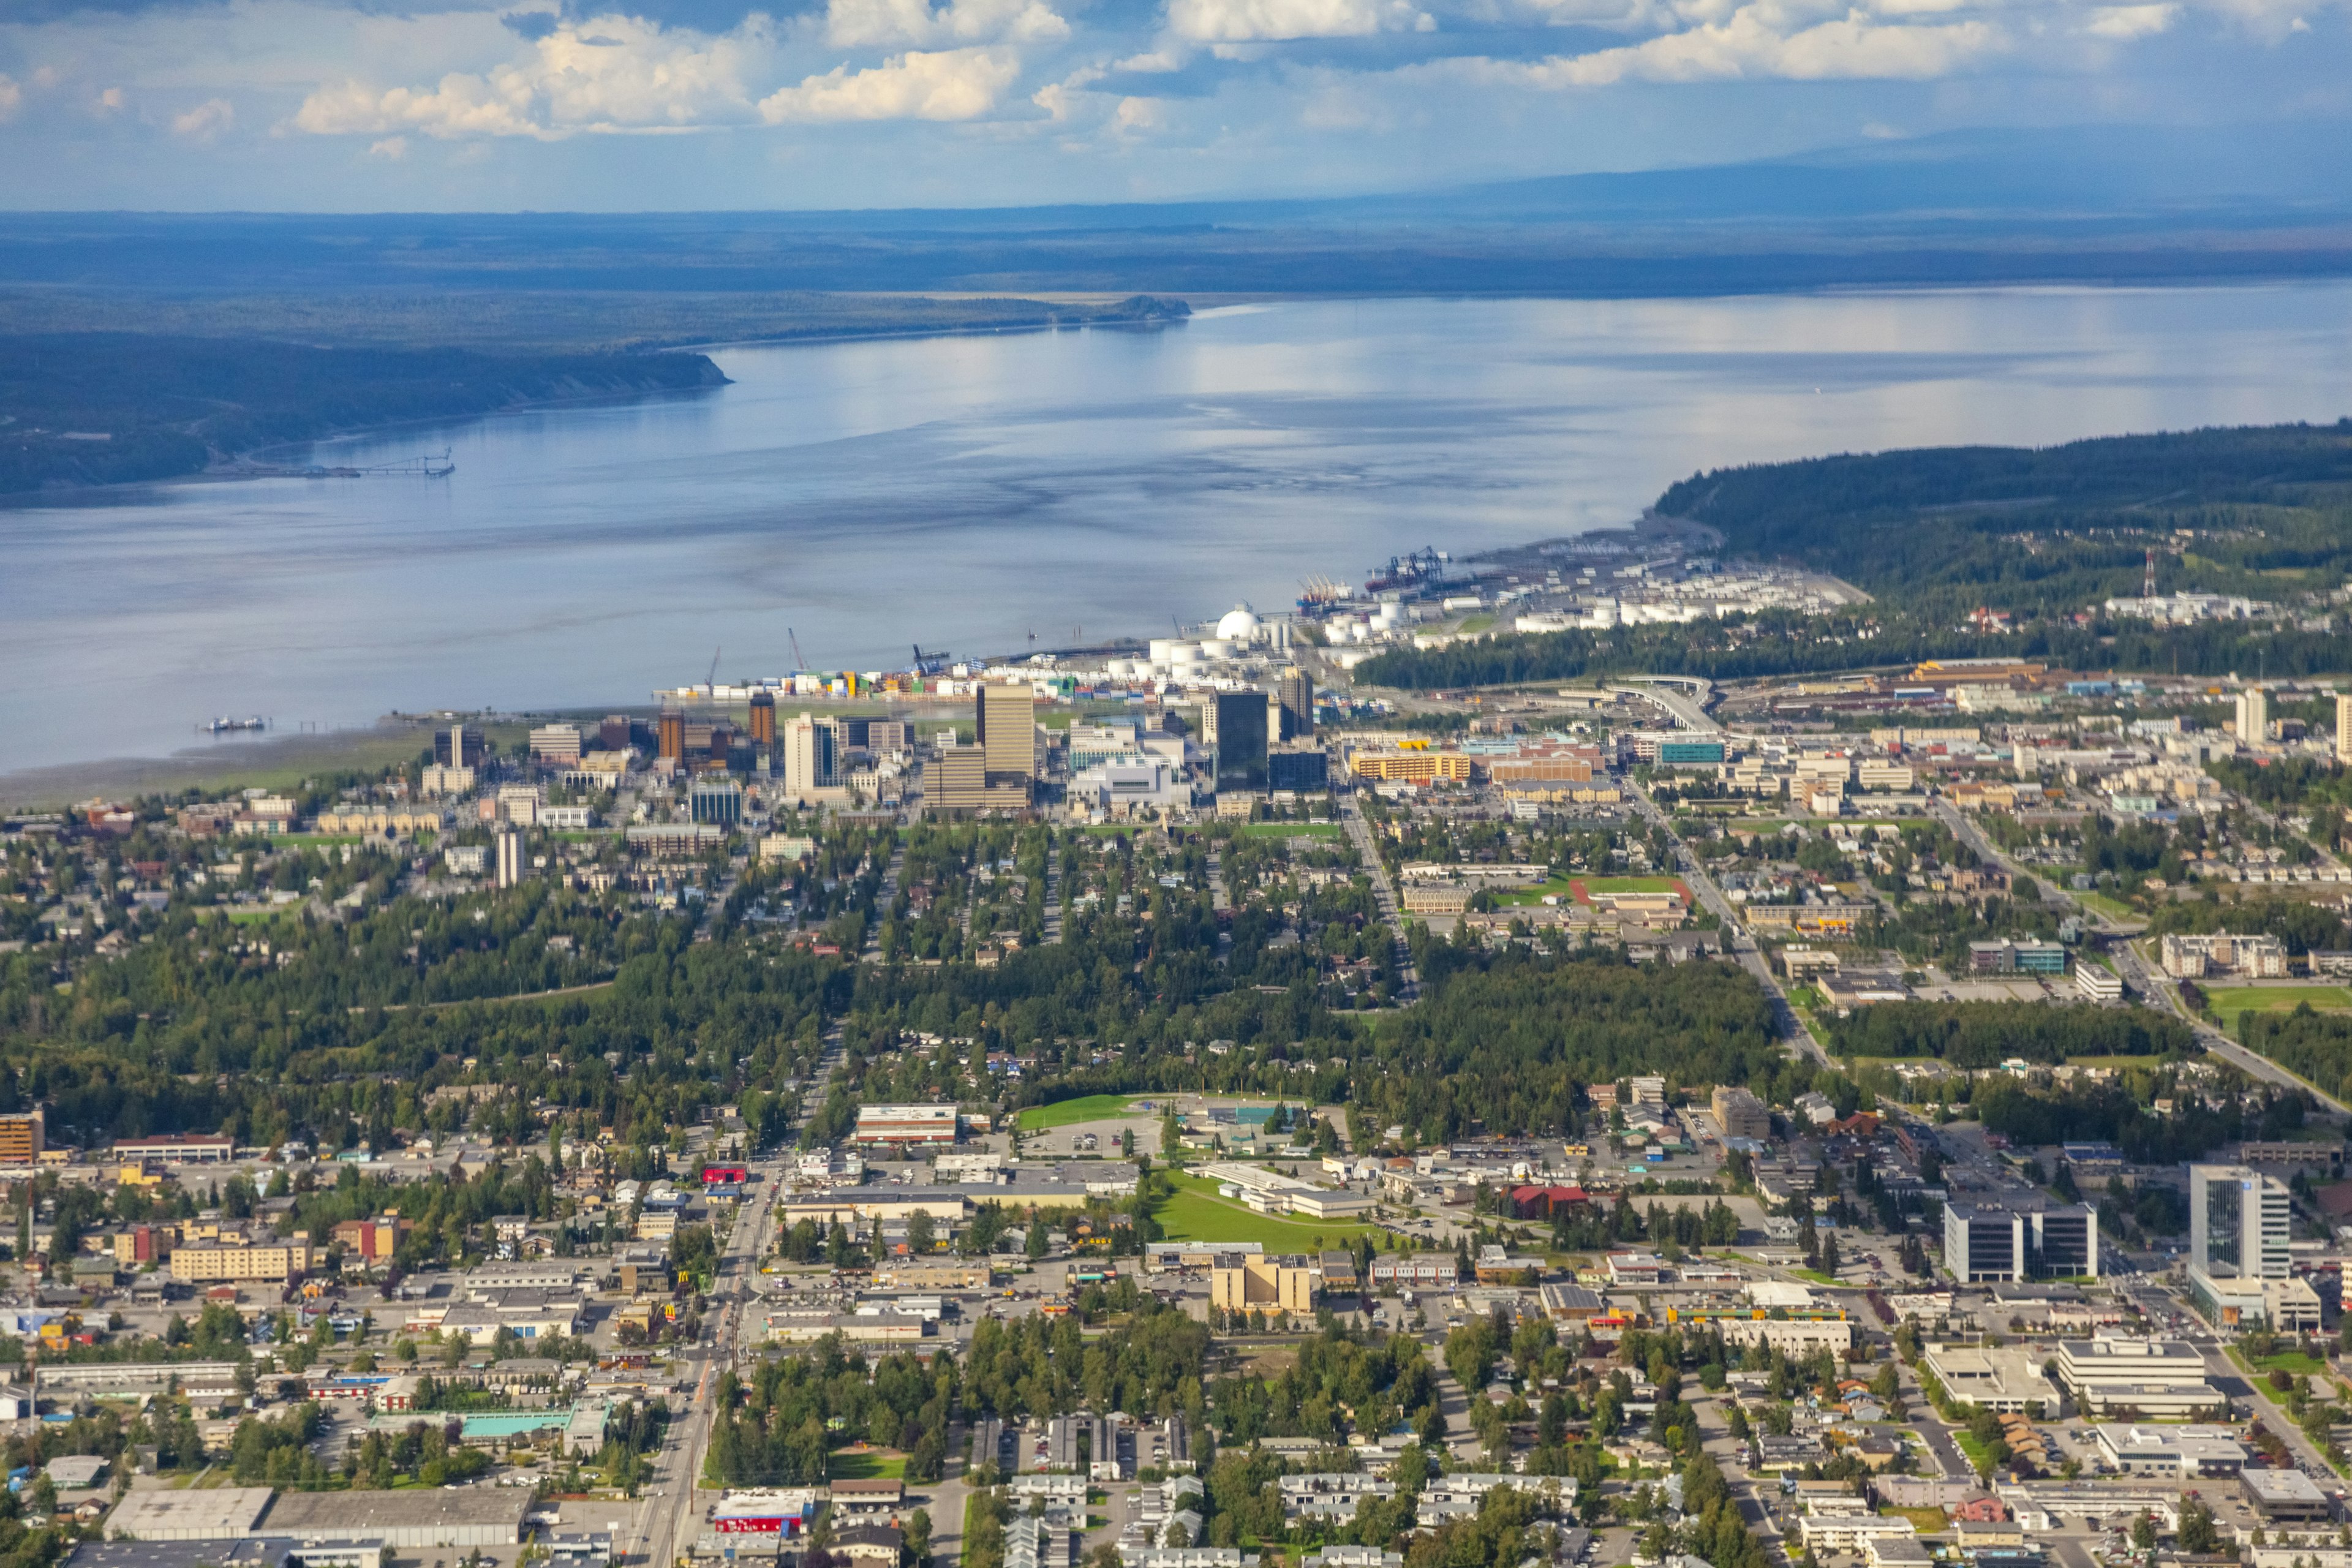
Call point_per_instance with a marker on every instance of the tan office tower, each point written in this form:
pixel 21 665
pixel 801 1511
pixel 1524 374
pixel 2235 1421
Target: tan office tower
pixel 1295 693
pixel 2253 716
pixel 763 722
pixel 812 761
pixel 2344 728
pixel 670 733
pixel 1006 718
pixel 958 781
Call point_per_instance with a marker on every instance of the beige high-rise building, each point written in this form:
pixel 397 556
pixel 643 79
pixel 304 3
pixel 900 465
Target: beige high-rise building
pixel 812 758
pixel 509 842
pixel 2344 727
pixel 1005 719
pixel 2253 716
pixel 959 780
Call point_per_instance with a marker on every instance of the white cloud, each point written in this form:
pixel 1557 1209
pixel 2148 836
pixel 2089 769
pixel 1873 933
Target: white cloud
pixel 2131 21
pixel 1140 114
pixel 107 103
pixel 1242 21
pixel 462 105
pixel 1059 99
pixel 12 97
pixel 205 122
pixel 608 74
pixel 851 24
pixel 1757 42
pixel 1152 61
pixel 946 84
pixel 392 149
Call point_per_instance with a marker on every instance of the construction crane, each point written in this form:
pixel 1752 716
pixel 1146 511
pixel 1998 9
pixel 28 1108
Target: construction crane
pixel 798 662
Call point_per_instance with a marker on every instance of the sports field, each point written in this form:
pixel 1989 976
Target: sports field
pixel 1069 1112
pixel 1195 1213
pixel 1630 885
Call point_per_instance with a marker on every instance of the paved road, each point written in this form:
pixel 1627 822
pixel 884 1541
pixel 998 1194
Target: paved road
pixel 1789 1026
pixel 667 1524
pixel 887 896
pixel 2157 989
pixel 1360 834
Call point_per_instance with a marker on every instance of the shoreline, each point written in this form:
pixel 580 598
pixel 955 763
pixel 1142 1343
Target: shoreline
pixel 240 760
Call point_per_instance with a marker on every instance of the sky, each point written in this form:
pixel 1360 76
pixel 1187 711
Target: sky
pixel 643 105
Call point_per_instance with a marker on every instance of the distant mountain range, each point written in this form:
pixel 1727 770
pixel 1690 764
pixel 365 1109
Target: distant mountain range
pixel 2106 203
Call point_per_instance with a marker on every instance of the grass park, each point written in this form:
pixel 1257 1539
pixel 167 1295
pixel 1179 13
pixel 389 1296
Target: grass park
pixel 1069 1113
pixel 1194 1212
pixel 865 1465
pixel 2227 1002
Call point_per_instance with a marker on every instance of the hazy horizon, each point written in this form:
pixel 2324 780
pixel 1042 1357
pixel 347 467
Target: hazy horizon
pixel 613 106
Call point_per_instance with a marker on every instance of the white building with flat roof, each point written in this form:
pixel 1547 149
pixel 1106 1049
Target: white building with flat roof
pixel 2155 1378
pixel 2177 1453
pixel 906 1124
pixel 2005 1381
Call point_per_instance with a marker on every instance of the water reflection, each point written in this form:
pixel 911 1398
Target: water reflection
pixel 969 491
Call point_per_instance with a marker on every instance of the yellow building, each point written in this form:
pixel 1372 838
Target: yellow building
pixel 1411 767
pixel 1263 1284
pixel 20 1138
pixel 275 1262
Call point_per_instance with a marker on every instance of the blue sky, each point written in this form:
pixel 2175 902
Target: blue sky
pixel 668 104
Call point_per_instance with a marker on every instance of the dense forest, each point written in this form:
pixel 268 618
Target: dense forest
pixel 1917 520
pixel 1986 1034
pixel 2316 1047
pixel 80 408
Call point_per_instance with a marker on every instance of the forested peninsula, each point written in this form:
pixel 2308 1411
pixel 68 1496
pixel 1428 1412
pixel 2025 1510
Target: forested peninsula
pixel 2046 535
pixel 118 409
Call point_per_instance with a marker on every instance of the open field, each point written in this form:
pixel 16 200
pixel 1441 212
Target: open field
pixel 2227 1002
pixel 1331 830
pixel 1065 1112
pixel 1519 898
pixel 1630 884
pixel 1195 1213
pixel 865 1465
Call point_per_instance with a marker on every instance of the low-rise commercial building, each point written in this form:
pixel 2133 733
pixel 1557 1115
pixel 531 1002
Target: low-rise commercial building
pixel 2179 1453
pixel 906 1124
pixel 2154 1378
pixel 1245 1284
pixel 2286 1496
pixel 2003 1380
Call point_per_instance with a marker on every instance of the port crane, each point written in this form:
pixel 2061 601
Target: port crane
pixel 798 662
pixel 934 663
pixel 711 681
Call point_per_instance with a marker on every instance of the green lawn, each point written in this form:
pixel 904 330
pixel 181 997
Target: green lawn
pixel 1628 884
pixel 1290 830
pixel 2227 1002
pixel 873 1465
pixel 2289 1360
pixel 1066 1113
pixel 2113 907
pixel 1515 897
pixel 1195 1213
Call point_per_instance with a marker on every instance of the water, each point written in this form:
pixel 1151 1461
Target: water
pixel 967 492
